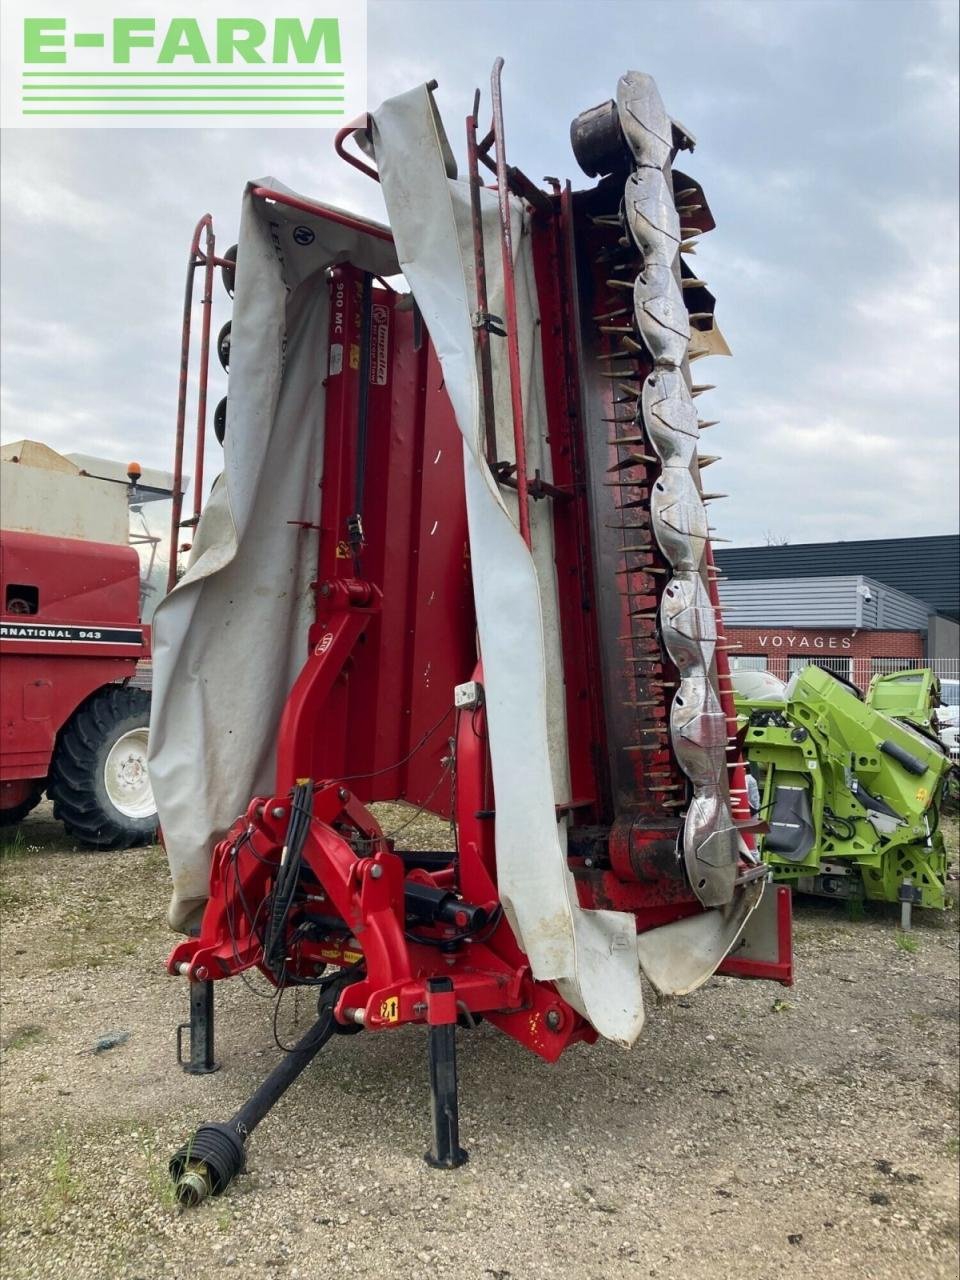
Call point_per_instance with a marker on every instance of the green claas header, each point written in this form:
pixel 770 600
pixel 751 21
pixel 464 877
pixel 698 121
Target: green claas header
pixel 849 796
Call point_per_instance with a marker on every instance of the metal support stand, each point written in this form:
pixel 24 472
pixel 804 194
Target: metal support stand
pixel 206 1164
pixel 446 1152
pixel 908 895
pixel 201 1061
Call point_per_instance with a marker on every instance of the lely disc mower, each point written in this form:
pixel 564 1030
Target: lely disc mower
pixel 459 556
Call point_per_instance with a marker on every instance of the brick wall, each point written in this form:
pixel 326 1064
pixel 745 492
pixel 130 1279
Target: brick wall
pixel 858 648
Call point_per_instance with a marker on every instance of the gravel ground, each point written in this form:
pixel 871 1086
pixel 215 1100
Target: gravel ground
pixel 753 1132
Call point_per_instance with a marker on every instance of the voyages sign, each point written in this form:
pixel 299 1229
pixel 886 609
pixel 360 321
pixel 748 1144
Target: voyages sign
pixel 803 640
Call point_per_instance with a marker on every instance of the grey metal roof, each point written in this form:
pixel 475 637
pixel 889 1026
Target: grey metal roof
pixel 926 568
pixel 853 602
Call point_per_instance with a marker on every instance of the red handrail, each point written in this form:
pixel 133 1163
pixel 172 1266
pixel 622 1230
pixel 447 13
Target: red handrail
pixel 322 211
pixel 195 260
pixel 339 147
pixel 510 305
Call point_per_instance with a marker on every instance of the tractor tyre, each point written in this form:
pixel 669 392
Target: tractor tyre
pixel 17 812
pixel 99 783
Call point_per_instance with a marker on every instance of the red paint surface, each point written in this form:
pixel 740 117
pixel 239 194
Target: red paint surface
pixel 85 584
pixel 394 633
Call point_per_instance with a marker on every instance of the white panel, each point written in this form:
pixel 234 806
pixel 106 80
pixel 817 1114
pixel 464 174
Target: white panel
pixel 61 505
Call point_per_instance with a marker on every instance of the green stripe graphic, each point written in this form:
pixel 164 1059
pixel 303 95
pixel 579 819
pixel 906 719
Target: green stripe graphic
pixel 220 97
pixel 173 111
pixel 209 90
pixel 264 74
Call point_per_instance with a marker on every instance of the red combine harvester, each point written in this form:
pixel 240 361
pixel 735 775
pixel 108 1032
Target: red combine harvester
pixel 70 641
pixel 491 487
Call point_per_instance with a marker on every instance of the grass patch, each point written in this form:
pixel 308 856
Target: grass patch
pixel 12 845
pixel 907 942
pixel 855 908
pixel 62 1185
pixel 12 894
pixel 24 1037
pixel 159 1182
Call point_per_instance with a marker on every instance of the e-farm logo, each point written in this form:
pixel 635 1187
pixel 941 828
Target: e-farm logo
pixel 92 64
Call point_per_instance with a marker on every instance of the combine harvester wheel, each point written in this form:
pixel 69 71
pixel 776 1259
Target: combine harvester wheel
pixel 99 782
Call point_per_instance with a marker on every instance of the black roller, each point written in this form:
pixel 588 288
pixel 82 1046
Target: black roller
pixel 903 757
pixel 223 346
pixel 220 421
pixel 597 141
pixel 229 273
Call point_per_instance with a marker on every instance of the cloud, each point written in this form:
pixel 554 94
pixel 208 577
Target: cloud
pixel 832 178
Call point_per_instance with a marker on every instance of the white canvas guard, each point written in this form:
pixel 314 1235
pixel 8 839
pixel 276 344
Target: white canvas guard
pixel 231 638
pixel 591 955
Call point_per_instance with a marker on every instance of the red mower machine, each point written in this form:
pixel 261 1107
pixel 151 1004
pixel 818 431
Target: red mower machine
pixel 504 612
pixel 72 724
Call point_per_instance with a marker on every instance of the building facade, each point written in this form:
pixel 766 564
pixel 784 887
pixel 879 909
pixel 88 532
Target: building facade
pixel 779 614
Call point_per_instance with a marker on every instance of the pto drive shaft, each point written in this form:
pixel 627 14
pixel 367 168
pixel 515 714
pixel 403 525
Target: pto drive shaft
pixel 206 1164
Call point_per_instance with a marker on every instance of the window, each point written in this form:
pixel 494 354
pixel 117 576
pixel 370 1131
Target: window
pixel 883 666
pixel 839 666
pixel 748 662
pixel 21 598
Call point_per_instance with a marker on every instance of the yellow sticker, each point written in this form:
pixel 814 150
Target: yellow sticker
pixel 390 1009
pixel 922 794
pixel 354 356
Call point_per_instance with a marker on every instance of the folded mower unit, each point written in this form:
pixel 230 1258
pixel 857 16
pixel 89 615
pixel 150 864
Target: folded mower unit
pixel 459 556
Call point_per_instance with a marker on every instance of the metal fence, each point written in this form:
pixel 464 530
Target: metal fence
pixel 860 671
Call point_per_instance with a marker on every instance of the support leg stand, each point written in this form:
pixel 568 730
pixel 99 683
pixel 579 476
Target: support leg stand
pixel 446 1152
pixel 201 1060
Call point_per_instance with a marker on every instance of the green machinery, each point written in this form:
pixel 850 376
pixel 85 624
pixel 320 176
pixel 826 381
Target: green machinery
pixel 907 695
pixel 848 794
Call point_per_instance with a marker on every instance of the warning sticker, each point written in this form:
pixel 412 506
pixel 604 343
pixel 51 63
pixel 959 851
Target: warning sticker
pixel 390 1009
pixel 335 365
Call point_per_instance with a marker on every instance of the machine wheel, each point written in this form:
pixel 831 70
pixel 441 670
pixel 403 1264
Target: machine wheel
pixel 99 783
pixel 17 812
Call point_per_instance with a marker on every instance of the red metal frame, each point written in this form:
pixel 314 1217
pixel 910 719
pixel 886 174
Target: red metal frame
pixel 339 145
pixel 207 259
pixel 369 718
pixel 323 211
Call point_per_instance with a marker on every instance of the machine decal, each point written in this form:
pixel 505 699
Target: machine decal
pixel 390 1009
pixel 70 635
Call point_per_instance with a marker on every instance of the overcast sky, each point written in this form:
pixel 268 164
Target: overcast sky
pixel 827 147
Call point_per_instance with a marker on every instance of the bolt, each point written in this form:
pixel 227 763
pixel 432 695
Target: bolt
pixel 201 974
pixel 326 589
pixel 343 795
pixel 194 1184
pixel 553 1019
pixel 376 871
pixel 278 811
pixel 419 1009
pixel 588 862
